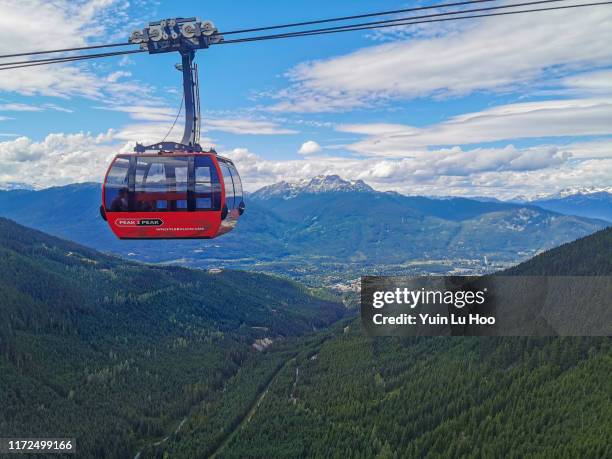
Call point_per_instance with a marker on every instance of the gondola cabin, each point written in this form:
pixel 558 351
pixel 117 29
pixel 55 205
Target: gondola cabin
pixel 171 195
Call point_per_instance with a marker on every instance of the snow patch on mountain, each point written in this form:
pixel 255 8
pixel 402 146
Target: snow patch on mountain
pixel 315 185
pixel 565 193
pixel 9 186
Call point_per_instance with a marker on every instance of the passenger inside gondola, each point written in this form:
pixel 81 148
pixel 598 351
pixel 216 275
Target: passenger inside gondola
pixel 120 202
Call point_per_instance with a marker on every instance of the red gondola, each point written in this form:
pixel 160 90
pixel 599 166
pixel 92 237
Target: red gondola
pixel 174 190
pixel 171 195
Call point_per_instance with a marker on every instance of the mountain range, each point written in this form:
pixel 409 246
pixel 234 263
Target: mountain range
pixel 325 226
pixel 597 204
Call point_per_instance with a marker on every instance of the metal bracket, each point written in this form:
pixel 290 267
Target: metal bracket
pixel 172 146
pixel 176 35
pixel 167 146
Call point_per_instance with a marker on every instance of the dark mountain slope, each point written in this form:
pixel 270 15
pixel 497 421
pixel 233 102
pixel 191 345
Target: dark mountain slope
pixel 115 353
pixel 68 279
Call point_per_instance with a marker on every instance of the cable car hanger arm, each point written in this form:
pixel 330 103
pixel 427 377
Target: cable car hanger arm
pixel 186 36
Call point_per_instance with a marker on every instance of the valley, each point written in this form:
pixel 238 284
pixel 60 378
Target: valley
pixel 118 353
pixel 159 360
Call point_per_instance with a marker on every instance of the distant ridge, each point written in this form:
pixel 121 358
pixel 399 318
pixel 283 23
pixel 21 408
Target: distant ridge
pixel 566 192
pixel 324 221
pixel 595 204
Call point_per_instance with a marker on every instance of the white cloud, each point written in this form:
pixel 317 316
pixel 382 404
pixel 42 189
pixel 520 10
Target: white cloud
pixel 423 30
pixel 39 25
pixel 27 23
pixel 155 122
pixel 148 133
pixel 597 149
pixel 67 81
pixel 498 55
pixel 19 108
pixel 497 172
pixel 457 162
pixel 57 108
pixel 115 76
pixel 500 172
pixel 552 118
pixel 244 126
pixel 159 120
pixel 596 83
pixel 144 112
pixel 58 159
pixel 125 61
pixel 310 147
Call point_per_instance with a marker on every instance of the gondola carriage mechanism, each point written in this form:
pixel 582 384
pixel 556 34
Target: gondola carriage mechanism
pixel 173 190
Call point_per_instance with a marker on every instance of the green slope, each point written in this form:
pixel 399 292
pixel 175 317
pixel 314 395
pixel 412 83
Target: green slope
pixel 479 397
pixel 589 256
pixel 439 397
pixel 117 353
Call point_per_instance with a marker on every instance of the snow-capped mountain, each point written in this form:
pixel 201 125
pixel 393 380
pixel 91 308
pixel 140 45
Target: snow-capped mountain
pixel 564 193
pixel 7 186
pixel 583 190
pixel 318 184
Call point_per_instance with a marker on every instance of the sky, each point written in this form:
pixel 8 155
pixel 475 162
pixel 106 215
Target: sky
pixel 501 107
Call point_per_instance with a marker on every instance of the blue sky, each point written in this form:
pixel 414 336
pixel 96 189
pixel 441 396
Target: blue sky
pixel 498 107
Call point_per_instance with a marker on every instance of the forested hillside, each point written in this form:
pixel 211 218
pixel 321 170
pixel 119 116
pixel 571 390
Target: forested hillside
pixel 116 354
pixel 132 358
pixel 435 397
pixel 589 256
pixel 353 396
